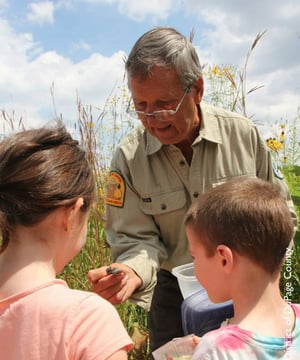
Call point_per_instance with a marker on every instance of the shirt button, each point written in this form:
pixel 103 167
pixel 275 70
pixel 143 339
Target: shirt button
pixel 163 206
pixel 182 162
pixel 196 194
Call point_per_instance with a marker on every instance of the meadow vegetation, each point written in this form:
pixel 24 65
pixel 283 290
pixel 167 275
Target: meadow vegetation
pixel 100 130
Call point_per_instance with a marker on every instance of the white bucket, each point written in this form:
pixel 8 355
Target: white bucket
pixel 187 281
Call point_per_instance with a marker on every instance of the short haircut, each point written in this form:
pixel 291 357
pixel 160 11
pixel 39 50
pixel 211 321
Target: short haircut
pixel 250 216
pixel 164 47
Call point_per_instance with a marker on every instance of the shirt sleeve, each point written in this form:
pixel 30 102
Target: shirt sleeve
pixel 223 345
pixel 206 350
pixel 133 235
pixel 96 330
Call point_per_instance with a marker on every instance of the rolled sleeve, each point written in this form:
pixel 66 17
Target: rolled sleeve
pixel 134 237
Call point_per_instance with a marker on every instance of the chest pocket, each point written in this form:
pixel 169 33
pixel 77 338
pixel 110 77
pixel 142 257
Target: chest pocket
pixel 159 204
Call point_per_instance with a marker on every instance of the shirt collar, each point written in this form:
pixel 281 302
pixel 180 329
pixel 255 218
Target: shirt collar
pixel 209 130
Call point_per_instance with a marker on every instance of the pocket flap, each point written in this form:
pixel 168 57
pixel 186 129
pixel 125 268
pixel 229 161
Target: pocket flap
pixel 163 203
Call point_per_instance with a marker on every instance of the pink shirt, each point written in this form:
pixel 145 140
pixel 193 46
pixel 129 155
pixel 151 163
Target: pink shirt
pixel 53 322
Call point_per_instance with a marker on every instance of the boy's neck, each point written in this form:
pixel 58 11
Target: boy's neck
pixel 258 305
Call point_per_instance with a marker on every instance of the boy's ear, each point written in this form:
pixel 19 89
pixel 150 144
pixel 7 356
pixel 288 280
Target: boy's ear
pixel 225 255
pixel 70 214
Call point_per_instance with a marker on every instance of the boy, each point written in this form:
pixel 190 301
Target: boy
pixel 238 234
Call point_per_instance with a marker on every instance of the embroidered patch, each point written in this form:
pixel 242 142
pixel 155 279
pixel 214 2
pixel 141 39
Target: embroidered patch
pixel 115 190
pixel 277 172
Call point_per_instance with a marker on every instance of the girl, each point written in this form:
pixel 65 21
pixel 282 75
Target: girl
pixel 46 190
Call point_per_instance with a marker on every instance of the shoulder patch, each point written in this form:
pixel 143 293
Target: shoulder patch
pixel 277 172
pixel 115 190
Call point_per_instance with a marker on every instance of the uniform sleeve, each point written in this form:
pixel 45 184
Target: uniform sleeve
pixel 133 235
pixel 96 330
pixel 268 169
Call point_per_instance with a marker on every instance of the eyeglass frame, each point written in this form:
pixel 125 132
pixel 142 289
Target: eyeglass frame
pixel 156 113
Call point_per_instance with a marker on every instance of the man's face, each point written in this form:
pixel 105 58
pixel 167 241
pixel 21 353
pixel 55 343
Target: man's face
pixel 162 90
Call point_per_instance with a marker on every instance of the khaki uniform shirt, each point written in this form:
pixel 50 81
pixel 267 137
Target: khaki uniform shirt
pixel 152 187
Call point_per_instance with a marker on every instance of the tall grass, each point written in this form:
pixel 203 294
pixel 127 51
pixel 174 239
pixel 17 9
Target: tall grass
pixel 226 86
pixel 292 176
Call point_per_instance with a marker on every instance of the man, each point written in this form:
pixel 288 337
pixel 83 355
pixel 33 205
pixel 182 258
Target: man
pixel 182 148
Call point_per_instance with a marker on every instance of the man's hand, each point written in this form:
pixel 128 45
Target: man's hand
pixel 113 285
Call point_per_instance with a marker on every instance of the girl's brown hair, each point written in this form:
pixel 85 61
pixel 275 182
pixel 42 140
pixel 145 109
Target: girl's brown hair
pixel 41 170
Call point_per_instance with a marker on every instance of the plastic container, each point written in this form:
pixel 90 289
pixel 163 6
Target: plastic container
pixel 178 348
pixel 187 281
pixel 200 315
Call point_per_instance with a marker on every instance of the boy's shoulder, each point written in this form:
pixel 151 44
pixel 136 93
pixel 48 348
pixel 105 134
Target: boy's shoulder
pixel 296 308
pixel 238 342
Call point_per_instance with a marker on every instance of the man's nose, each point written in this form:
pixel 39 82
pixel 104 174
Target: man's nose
pixel 151 119
pixel 149 109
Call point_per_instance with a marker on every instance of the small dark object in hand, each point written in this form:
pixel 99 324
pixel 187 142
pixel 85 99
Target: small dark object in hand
pixel 113 271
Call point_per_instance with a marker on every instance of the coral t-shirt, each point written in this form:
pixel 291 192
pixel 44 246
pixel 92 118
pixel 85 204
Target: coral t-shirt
pixel 232 342
pixel 55 322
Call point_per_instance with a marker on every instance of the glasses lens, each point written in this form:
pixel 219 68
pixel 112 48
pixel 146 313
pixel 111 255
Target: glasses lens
pixel 161 115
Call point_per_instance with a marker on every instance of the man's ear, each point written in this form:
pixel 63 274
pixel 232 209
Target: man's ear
pixel 70 214
pixel 226 258
pixel 199 89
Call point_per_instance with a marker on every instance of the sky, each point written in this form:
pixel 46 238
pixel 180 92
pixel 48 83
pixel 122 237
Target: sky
pixel 56 52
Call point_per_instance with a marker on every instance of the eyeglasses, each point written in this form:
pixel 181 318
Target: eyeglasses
pixel 161 115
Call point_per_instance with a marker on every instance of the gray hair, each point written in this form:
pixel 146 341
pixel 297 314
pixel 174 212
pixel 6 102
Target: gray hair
pixel 165 47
